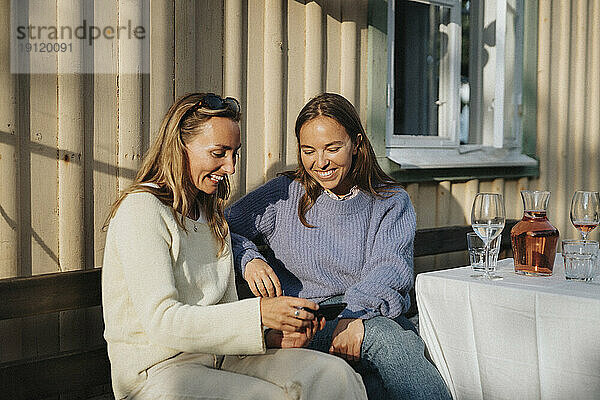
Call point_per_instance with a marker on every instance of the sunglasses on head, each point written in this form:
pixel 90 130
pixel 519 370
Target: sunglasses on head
pixel 213 102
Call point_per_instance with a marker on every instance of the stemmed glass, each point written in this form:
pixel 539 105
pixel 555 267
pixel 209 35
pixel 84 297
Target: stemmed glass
pixel 585 211
pixel 487 220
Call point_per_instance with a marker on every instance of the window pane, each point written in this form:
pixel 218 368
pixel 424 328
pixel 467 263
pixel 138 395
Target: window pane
pixel 465 86
pixel 420 46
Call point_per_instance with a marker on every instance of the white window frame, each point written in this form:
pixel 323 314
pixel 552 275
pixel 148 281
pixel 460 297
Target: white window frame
pixel 497 149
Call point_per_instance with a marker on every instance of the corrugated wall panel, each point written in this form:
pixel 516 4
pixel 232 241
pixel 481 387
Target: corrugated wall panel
pixel 543 90
pixel 350 52
pixel 274 78
pixel 442 206
pixel 560 139
pixel 511 74
pixel 106 111
pixel 234 68
pixel 592 94
pixel 185 47
pixel 512 203
pixel 332 44
pixel 568 132
pixel 162 67
pixel 297 62
pixel 208 66
pixel 131 110
pixel 10 132
pixel 43 174
pixel 9 156
pixel 292 55
pixel 363 33
pixel 71 134
pixel 313 50
pixel 576 93
pixel 255 112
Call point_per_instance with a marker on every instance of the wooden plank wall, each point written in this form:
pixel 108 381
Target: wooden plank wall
pixel 568 101
pixel 9 161
pixel 10 137
pixel 290 52
pixel 69 143
pixel 449 203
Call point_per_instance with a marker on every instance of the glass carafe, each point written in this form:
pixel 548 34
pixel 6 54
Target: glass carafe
pixel 534 239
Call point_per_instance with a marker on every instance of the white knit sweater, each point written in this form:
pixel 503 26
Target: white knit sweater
pixel 164 291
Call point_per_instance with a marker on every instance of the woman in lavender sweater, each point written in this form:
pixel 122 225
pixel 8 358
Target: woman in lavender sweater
pixel 340 229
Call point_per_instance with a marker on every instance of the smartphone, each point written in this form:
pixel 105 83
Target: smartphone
pixel 329 311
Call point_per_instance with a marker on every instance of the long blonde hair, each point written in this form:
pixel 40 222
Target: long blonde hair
pixel 166 165
pixel 365 172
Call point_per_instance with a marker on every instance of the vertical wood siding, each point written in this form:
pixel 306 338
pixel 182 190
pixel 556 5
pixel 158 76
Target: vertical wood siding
pixel 10 227
pixel 70 143
pixel 9 157
pixel 568 95
pixel 234 73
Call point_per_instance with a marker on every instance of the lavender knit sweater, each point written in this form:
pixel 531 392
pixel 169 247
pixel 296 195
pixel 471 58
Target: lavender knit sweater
pixel 360 247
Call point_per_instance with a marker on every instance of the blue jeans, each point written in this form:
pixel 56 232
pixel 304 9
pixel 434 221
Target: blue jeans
pixel 392 360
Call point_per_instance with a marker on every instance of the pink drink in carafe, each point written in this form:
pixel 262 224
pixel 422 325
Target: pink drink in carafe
pixel 534 238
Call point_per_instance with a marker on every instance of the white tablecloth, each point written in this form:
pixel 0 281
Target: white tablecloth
pixel 518 338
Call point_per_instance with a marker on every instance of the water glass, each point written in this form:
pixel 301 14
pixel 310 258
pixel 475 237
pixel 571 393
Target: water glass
pixel 580 258
pixel 487 220
pixel 477 252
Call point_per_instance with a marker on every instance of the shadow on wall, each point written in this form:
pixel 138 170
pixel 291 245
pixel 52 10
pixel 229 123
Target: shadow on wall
pixel 66 155
pixel 24 191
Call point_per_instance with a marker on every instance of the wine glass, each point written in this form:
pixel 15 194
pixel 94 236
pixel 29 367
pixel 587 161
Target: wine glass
pixel 487 220
pixel 585 211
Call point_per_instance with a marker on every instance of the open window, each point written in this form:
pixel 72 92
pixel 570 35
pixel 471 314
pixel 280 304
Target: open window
pixel 455 79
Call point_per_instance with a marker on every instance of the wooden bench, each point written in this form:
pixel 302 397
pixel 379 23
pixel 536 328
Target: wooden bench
pixel 434 241
pixel 449 239
pixel 65 372
pixel 78 370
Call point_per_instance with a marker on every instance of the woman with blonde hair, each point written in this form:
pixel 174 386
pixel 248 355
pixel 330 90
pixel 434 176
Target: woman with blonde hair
pixel 341 230
pixel 173 323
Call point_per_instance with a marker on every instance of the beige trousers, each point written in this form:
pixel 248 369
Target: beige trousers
pixel 290 374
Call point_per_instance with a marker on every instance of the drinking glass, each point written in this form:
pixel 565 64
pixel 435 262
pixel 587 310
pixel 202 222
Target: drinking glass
pixel 487 220
pixel 580 259
pixel 476 249
pixel 585 211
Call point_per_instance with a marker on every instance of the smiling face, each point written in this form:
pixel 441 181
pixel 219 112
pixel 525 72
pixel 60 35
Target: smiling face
pixel 326 152
pixel 212 153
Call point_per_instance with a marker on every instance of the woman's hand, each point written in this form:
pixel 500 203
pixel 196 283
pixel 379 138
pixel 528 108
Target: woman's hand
pixel 347 339
pixel 283 339
pixel 284 313
pixel 262 279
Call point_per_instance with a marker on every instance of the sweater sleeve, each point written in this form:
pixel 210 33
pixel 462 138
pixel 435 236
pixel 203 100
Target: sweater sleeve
pixel 253 217
pixel 142 234
pixel 244 251
pixel 387 274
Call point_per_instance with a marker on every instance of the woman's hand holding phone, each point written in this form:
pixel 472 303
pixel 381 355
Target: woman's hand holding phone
pixel 284 339
pixel 286 313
